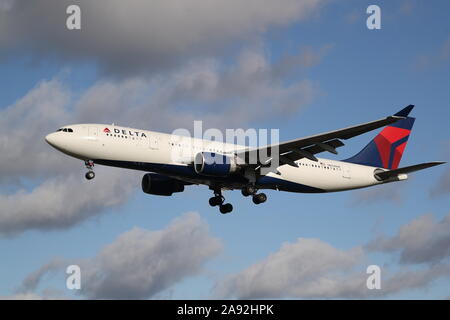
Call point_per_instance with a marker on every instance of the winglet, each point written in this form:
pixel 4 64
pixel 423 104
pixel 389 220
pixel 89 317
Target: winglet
pixel 405 111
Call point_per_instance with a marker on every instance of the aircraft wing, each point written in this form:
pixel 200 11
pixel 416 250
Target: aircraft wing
pixel 385 175
pixel 292 150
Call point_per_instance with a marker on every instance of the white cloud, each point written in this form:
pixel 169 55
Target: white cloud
pixel 30 283
pixel 137 36
pixel 410 279
pixel 64 201
pixel 423 240
pixel 23 126
pixel 64 198
pixel 220 94
pixel 140 263
pixel 311 268
pixel 307 268
pixel 145 264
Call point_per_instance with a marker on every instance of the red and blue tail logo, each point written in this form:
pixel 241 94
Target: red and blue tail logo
pixel 386 150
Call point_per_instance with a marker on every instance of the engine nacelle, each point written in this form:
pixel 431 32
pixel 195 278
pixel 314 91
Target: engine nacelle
pixel 153 183
pixel 214 164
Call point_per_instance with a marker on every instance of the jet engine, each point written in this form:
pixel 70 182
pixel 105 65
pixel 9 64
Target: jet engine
pixel 153 183
pixel 214 164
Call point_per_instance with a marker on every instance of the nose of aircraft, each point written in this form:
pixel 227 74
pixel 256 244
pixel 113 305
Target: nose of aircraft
pixel 51 139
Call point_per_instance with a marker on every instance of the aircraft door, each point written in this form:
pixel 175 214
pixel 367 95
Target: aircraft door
pixel 154 142
pixel 93 133
pixel 346 172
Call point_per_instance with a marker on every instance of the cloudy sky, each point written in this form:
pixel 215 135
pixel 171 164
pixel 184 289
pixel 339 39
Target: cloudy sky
pixel 303 66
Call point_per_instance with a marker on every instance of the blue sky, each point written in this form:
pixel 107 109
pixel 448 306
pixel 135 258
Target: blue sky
pixel 344 74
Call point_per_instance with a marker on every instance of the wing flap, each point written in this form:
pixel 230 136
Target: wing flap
pixel 345 134
pixel 328 141
pixel 309 152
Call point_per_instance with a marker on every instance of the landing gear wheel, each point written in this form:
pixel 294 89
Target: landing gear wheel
pixel 226 208
pixel 259 198
pixel 216 201
pixel 89 165
pixel 90 175
pixel 248 190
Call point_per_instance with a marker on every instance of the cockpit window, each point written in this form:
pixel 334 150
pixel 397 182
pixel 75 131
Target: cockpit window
pixel 65 130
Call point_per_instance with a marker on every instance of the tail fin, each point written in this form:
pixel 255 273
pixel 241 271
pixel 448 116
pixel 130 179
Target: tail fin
pixel 386 149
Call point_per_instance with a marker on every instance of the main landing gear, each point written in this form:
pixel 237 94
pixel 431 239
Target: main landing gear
pixel 251 190
pixel 89 165
pixel 218 200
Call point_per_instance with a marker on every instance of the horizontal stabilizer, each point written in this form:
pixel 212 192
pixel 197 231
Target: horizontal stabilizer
pixel 385 175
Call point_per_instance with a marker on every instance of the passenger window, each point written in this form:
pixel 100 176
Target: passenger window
pixel 69 130
pixel 65 130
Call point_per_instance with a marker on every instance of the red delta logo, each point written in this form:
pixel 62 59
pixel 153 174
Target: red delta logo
pixel 126 132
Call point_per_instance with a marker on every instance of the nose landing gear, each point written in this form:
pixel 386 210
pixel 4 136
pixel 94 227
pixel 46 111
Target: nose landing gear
pixel 218 200
pixel 89 165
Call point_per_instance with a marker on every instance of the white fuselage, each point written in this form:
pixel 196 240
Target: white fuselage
pixel 173 155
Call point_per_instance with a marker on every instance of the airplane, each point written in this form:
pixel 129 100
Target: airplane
pixel 298 169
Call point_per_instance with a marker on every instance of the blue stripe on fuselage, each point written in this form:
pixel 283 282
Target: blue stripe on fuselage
pixel 180 171
pixel 285 185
